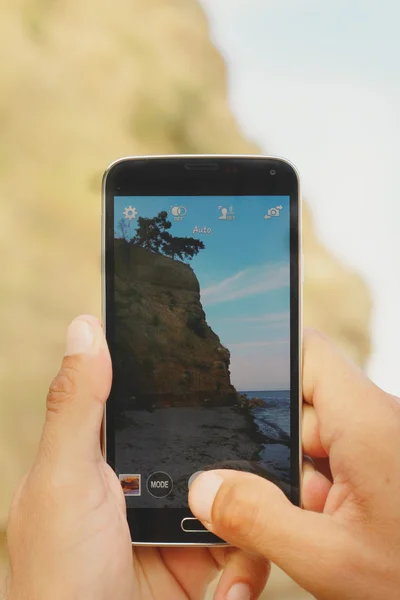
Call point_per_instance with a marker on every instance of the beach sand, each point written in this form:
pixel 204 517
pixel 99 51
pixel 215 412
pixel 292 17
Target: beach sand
pixel 181 441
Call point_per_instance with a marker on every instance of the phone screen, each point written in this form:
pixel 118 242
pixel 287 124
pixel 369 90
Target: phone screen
pixel 202 348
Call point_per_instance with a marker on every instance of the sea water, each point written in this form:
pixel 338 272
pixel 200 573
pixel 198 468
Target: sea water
pixel 273 421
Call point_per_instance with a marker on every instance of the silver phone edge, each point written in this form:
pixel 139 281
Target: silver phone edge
pixel 103 439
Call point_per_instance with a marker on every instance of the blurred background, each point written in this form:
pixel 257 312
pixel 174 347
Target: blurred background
pixel 83 83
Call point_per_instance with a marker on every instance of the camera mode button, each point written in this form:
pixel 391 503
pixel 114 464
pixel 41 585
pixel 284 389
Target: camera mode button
pixel 159 484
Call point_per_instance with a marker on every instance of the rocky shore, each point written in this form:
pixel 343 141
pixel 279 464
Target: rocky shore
pixel 245 402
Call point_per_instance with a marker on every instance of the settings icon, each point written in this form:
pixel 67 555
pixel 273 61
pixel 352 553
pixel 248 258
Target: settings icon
pixel 130 213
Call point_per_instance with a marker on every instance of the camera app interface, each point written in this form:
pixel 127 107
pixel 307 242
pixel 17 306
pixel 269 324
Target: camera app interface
pixel 201 351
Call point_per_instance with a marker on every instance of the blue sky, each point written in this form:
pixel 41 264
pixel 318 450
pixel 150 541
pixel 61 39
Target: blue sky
pixel 243 274
pixel 319 83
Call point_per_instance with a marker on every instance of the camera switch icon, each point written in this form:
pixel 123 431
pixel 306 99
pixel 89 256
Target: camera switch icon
pixel 273 212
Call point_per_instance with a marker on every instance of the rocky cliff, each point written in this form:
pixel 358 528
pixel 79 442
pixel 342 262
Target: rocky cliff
pixel 168 354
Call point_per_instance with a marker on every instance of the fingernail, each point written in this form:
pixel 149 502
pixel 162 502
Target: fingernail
pixel 202 495
pixel 81 336
pixel 239 591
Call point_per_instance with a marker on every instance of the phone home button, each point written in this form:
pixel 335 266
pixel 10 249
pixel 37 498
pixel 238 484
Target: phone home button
pixel 192 525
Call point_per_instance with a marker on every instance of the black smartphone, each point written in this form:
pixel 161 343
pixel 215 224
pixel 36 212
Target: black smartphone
pixel 202 290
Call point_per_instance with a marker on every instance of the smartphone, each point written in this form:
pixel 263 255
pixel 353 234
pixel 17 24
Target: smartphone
pixel 201 306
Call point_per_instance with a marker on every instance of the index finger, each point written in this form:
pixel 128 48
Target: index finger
pixel 347 404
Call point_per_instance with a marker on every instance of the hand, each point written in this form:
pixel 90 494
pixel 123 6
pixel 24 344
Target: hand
pixel 347 544
pixel 68 535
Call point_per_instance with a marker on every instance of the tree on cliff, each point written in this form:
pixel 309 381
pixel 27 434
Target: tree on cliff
pixel 153 235
pixel 183 248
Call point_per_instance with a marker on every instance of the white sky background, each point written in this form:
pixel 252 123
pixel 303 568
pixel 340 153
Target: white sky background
pixel 319 83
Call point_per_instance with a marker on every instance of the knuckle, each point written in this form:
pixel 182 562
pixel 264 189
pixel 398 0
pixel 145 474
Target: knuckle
pixel 239 513
pixel 62 389
pixel 230 515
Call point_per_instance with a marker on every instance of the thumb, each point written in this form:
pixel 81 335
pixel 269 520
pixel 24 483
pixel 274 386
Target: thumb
pixel 253 514
pixel 76 398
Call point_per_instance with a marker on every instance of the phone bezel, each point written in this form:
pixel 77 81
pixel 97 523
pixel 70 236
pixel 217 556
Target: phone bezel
pixel 235 175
